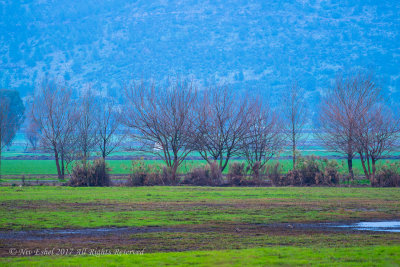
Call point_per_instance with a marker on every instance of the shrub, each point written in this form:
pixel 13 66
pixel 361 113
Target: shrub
pixel 259 172
pixel 388 175
pixel 313 170
pixel 274 174
pixel 142 174
pixel 256 170
pixel 208 175
pixel 237 174
pixel 90 174
pixel 330 173
pixel 167 178
pixel 293 177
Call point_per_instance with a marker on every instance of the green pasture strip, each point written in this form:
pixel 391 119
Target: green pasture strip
pixel 274 255
pixel 48 167
pixel 161 241
pixel 38 207
pixel 192 193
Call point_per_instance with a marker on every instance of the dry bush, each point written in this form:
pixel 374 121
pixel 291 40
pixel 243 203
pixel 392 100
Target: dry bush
pixel 293 177
pixel 312 171
pixel 90 174
pixel 331 175
pixel 259 174
pixel 138 173
pixel 389 175
pixel 237 174
pixel 168 176
pixel 142 174
pixel 256 170
pixel 208 175
pixel 274 173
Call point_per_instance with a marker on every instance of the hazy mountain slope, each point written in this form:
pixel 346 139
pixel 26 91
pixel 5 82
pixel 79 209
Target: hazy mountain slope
pixel 251 44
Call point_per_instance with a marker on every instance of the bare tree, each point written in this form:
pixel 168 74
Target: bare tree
pixel 377 136
pixel 109 123
pixel 161 119
pixel 222 124
pixel 54 112
pixel 295 118
pixel 32 133
pixel 341 111
pixel 264 139
pixel 86 126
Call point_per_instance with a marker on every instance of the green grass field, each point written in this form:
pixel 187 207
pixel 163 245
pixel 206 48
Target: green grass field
pixel 203 225
pixel 38 167
pixel 286 256
pixel 53 207
pixel 48 167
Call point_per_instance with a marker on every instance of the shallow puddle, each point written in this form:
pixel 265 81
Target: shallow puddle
pixel 385 226
pixel 66 233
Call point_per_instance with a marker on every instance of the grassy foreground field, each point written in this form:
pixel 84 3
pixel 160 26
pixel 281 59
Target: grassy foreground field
pixel 286 256
pixel 198 225
pixel 66 207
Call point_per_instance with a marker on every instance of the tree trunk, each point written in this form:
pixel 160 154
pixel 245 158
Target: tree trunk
pixel 294 151
pixel 364 168
pixel 221 163
pixel 104 149
pixel 373 178
pixel 224 165
pixel 350 166
pixel 57 164
pixel 174 170
pixel 84 160
pixel 62 166
pixel 294 158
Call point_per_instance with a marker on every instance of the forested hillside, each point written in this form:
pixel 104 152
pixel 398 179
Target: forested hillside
pixel 248 44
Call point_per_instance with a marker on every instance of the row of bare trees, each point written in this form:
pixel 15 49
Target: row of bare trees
pixel 177 119
pixel 169 121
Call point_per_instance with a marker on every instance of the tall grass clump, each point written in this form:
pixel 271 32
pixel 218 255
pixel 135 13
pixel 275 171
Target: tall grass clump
pixel 237 174
pixel 142 174
pixel 388 175
pixel 274 173
pixel 209 175
pixel 312 170
pixel 85 173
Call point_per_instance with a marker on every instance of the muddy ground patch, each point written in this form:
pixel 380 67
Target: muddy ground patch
pixel 195 237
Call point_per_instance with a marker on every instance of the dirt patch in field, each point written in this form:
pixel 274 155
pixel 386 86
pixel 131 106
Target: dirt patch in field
pixel 190 237
pixel 350 205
